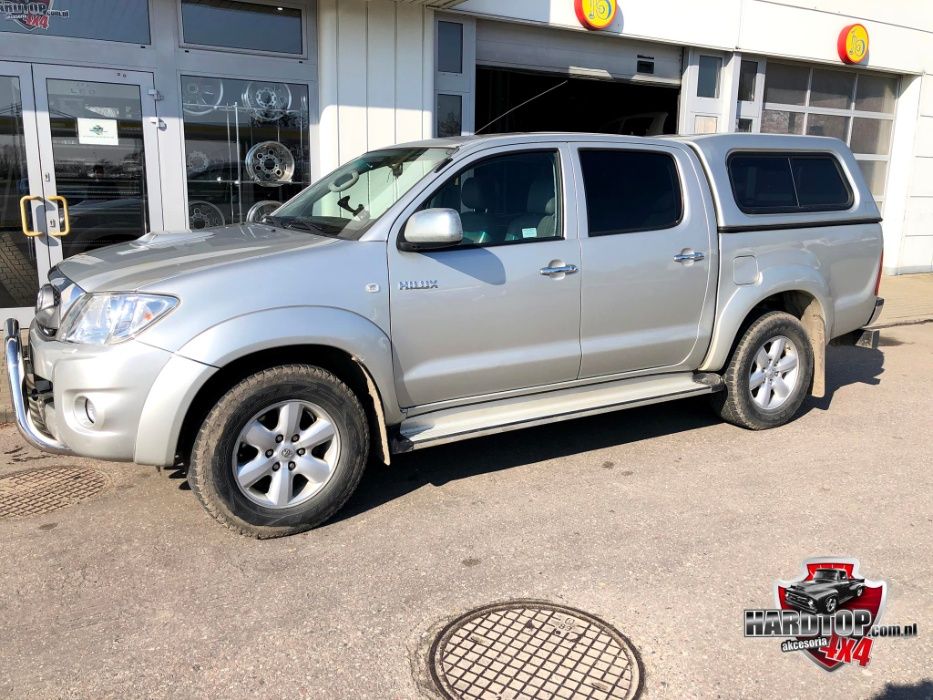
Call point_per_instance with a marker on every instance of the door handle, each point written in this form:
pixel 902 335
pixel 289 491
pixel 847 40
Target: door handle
pixel 66 229
pixel 689 257
pixel 559 270
pixel 24 215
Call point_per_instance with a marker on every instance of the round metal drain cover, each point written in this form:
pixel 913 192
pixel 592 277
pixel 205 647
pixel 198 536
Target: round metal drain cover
pixel 530 649
pixel 38 491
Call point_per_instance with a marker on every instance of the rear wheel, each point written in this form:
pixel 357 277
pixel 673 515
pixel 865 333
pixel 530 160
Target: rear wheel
pixel 281 452
pixel 769 374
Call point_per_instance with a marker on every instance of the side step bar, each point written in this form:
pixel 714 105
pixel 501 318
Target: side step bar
pixel 476 420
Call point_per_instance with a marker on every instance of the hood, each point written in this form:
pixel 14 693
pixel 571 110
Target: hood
pixel 157 257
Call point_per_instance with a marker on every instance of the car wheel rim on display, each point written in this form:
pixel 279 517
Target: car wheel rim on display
pixel 267 101
pixel 197 162
pixel 202 96
pixel 774 374
pixel 262 209
pixel 270 164
pixel 285 454
pixel 203 215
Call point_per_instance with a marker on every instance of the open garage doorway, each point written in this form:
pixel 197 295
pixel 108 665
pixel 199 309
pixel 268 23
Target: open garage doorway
pixel 580 104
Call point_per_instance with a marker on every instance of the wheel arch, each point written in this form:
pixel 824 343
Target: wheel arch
pixel 338 362
pixel 803 296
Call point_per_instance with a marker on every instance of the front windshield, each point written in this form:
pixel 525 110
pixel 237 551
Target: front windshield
pixel 350 199
pixel 824 575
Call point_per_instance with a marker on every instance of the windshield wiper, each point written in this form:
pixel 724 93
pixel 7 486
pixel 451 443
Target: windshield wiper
pixel 295 223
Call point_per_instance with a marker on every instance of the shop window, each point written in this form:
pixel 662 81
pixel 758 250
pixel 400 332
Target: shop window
pixel 106 20
pixel 244 26
pixel 708 76
pixel 875 172
pixel 831 88
pixel 450 47
pixel 828 125
pixel 786 84
pixel 871 135
pixel 449 115
pixel 629 191
pixel 704 124
pixel 876 93
pixel 775 121
pixel 743 126
pixel 246 147
pixel 748 80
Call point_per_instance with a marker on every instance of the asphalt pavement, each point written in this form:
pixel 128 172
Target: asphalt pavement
pixel 661 521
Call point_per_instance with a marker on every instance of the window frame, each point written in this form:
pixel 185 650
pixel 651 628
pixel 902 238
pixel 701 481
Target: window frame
pixel 290 4
pixel 559 210
pixel 788 156
pixel 625 149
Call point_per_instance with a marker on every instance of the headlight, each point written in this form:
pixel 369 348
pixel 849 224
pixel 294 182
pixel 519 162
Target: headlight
pixel 104 319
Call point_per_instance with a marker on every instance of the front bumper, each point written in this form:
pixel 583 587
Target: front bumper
pixel 52 416
pixel 866 337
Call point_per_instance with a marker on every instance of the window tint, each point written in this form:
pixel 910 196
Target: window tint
pixel 630 191
pixel 780 182
pixel 108 20
pixel 506 199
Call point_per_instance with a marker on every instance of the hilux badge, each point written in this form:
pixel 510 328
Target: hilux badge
pixel 410 285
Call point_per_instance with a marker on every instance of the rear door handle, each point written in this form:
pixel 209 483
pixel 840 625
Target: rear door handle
pixel 559 270
pixel 689 257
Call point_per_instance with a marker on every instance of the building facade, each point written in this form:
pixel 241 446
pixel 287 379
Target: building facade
pixel 123 116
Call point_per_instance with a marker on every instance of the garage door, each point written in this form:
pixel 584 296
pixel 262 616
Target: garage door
pixel 506 45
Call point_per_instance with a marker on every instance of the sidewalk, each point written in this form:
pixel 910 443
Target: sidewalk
pixel 908 299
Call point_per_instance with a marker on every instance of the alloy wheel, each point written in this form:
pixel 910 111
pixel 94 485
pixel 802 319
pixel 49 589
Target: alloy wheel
pixel 774 373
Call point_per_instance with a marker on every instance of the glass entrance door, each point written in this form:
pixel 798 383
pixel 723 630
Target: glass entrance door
pixel 24 259
pixel 98 147
pixel 78 169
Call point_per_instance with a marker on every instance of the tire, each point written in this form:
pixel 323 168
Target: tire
pixel 215 475
pixel 829 605
pixel 859 591
pixel 737 404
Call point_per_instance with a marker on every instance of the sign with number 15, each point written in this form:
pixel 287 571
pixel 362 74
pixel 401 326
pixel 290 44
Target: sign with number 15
pixel 596 14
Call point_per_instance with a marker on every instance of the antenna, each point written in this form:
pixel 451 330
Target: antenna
pixel 505 114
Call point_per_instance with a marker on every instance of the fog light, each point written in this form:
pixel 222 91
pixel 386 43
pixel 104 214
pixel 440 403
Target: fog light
pixel 85 411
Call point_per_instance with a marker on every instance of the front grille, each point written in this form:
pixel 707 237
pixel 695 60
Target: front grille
pixel 799 600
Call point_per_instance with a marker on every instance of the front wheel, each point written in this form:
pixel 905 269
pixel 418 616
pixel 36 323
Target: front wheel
pixel 281 452
pixel 769 374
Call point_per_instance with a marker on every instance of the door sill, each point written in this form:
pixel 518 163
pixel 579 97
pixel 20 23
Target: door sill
pixel 464 422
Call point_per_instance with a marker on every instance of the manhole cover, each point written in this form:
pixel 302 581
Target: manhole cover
pixel 530 649
pixel 39 491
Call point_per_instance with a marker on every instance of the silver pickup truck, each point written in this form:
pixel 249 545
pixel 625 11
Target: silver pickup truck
pixel 436 291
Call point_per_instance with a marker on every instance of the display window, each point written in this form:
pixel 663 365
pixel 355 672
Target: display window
pixel 246 147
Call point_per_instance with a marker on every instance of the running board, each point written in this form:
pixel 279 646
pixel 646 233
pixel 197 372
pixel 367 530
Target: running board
pixel 463 422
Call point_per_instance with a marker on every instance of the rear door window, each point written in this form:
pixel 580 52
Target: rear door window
pixel 769 183
pixel 629 191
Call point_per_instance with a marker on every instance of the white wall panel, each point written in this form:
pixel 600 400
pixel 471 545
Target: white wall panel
pixel 381 65
pixel 409 97
pixel 352 84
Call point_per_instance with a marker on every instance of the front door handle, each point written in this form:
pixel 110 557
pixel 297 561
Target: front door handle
pixel 559 270
pixel 689 257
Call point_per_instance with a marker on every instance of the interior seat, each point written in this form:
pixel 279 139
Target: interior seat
pixel 476 222
pixel 540 219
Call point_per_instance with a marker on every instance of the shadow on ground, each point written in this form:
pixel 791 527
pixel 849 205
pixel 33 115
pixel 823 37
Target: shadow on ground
pixel 470 458
pixel 913 691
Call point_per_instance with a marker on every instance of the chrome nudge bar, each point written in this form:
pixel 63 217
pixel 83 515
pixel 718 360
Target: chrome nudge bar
pixel 15 374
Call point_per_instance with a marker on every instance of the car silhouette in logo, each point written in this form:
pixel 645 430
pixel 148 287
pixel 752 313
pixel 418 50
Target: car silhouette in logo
pixel 825 592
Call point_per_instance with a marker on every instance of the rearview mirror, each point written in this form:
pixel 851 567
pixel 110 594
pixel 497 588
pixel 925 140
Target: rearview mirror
pixel 432 229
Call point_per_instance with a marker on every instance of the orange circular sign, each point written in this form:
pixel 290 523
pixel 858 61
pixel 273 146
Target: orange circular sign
pixel 853 44
pixel 596 14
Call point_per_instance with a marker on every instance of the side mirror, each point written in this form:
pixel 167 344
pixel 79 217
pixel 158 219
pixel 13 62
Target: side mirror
pixel 432 229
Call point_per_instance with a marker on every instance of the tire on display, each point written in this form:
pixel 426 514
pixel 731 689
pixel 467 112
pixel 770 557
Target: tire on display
pixel 773 356
pixel 325 417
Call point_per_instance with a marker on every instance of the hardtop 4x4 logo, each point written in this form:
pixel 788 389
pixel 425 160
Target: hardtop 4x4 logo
pixel 831 613
pixel 31 15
